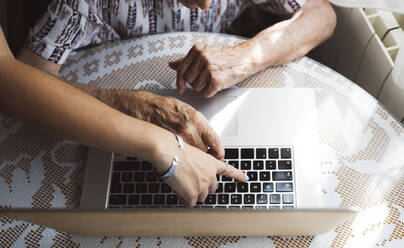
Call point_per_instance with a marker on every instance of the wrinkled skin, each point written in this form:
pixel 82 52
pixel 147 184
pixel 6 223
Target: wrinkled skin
pixel 171 114
pixel 210 69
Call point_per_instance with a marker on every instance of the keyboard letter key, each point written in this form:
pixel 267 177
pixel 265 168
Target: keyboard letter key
pixel 273 152
pixel 247 153
pixel 286 153
pixel 231 153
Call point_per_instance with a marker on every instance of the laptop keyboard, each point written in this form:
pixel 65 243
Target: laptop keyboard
pixel 271 182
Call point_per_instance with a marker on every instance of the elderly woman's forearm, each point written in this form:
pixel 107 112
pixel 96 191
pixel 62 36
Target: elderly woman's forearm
pixel 293 38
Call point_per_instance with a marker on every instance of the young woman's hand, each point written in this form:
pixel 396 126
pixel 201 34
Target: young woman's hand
pixel 195 175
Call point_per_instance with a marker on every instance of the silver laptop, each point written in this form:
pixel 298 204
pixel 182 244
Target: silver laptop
pixel 271 134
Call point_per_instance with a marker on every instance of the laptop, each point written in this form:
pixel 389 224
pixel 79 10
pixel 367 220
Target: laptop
pixel 271 134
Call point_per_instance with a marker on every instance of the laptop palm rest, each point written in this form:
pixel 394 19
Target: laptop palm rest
pixel 187 222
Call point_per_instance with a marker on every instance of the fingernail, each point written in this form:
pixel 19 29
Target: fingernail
pixel 247 178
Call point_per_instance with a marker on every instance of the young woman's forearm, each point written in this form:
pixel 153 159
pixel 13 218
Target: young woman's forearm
pixel 60 109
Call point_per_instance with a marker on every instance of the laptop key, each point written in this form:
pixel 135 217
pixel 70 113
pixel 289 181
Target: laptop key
pixel 242 187
pixel 133 199
pixel 227 179
pixel 129 188
pixel 247 153
pixel 151 177
pixel 211 199
pixel 261 153
pixel 172 199
pixel 219 188
pixel 268 187
pixel 221 207
pixel 116 178
pixel 234 207
pixel 255 187
pixel 141 188
pixel 288 207
pixel 265 176
pixel 284 187
pixel 229 187
pixel 286 153
pixel 146 166
pixel 146 199
pixel 275 198
pixel 282 176
pixel 165 188
pixel 273 153
pixel 284 165
pixel 258 164
pixel 139 177
pixel 247 207
pixel 262 199
pixel 154 187
pixel 245 165
pixel 159 199
pixel 249 199
pixel 236 199
pixel 223 199
pixel 234 163
pixel 270 164
pixel 126 177
pixel 117 188
pixel 253 176
pixel 117 199
pixel 287 198
pixel 231 153
pixel 126 165
pixel 275 207
pixel 260 207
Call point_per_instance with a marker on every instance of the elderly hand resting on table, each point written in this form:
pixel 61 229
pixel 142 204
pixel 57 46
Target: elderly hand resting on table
pixel 209 69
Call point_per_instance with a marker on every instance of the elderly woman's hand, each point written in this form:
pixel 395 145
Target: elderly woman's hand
pixel 202 4
pixel 209 69
pixel 173 115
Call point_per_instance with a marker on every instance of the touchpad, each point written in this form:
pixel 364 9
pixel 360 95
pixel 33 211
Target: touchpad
pixel 221 112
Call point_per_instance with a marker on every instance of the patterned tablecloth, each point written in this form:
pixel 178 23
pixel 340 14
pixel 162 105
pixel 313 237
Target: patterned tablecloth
pixel 362 151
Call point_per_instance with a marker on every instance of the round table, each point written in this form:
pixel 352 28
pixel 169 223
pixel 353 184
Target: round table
pixel 361 153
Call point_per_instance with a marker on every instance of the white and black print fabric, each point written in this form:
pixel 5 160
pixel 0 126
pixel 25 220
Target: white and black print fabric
pixel 72 24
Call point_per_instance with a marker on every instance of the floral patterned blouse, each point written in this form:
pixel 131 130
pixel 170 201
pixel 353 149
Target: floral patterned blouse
pixel 72 24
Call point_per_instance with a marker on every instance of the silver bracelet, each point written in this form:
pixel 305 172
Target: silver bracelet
pixel 175 161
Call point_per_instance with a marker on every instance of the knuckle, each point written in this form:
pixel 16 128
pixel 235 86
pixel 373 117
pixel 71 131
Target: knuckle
pixel 215 83
pixel 193 195
pixel 210 68
pixel 198 47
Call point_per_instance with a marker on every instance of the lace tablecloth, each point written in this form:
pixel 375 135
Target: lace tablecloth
pixel 362 151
